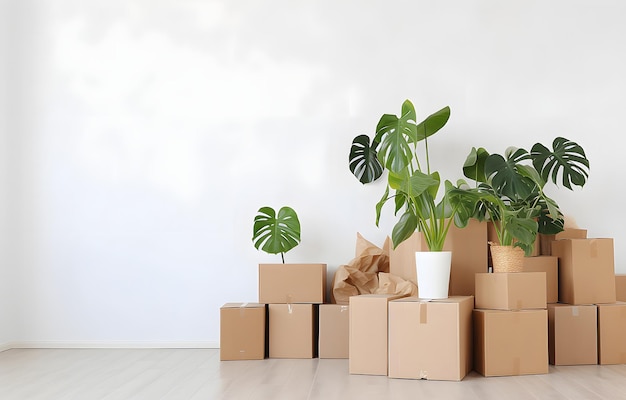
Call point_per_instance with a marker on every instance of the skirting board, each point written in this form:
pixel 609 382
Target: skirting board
pixel 109 345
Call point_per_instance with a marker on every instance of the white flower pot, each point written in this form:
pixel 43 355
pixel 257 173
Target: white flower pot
pixel 433 273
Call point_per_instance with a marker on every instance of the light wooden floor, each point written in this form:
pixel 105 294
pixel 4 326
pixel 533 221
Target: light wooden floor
pixel 90 374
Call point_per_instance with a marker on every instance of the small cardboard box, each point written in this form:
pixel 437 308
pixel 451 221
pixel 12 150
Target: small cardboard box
pixel 508 343
pixel 292 283
pixel 430 339
pixel 612 333
pixel 586 270
pixel 549 265
pixel 469 256
pixel 568 233
pixel 572 334
pixel 242 331
pixel 511 291
pixel 334 328
pixel 293 330
pixel 368 334
pixel 620 287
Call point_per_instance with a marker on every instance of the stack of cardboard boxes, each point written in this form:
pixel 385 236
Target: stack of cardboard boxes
pixel 284 324
pixel 588 325
pixel 511 324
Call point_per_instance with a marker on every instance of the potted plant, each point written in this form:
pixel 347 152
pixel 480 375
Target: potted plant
pixel 509 191
pixel 413 187
pixel 276 233
pixel 283 283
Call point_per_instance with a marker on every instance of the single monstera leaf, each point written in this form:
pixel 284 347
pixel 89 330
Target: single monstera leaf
pixel 566 157
pixel 505 176
pixel 433 123
pixel 474 166
pixel 363 159
pixel 276 233
pixel 395 135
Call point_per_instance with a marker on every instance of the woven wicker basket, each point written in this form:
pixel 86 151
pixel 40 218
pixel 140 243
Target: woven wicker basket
pixel 506 258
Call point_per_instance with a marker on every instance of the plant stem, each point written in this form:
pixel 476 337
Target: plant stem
pixel 282 255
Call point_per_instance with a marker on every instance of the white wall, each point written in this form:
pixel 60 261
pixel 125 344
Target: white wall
pixel 149 134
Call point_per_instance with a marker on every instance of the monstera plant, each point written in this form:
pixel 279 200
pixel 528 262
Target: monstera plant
pixel 509 188
pixel 411 184
pixel 274 233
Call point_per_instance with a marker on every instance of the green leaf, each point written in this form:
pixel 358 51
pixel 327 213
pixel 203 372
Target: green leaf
pixel 567 158
pixel 395 135
pixel 474 166
pixel 505 176
pixel 363 160
pixel 416 184
pixel 381 203
pixel 276 234
pixel 404 228
pixel 433 123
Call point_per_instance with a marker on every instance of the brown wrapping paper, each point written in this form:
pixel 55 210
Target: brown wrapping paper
pixel 368 273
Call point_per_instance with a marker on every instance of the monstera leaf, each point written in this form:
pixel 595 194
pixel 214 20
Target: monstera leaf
pixel 276 233
pixel 505 175
pixel 395 135
pixel 363 159
pixel 566 157
pixel 474 166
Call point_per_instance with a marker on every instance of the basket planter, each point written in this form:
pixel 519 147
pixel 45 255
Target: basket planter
pixel 506 258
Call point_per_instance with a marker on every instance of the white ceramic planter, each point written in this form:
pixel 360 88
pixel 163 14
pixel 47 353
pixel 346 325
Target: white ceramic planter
pixel 433 273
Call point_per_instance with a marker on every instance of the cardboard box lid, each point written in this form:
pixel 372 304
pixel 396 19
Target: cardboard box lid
pixel 243 305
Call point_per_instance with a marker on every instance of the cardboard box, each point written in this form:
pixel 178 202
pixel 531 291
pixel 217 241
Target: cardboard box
pixel 430 340
pixel 368 334
pixel 568 233
pixel 492 236
pixel 620 287
pixel 511 290
pixel 242 331
pixel 293 330
pixel 510 343
pixel 549 265
pixel 292 283
pixel 572 334
pixel 469 256
pixel 586 270
pixel 612 333
pixel 334 330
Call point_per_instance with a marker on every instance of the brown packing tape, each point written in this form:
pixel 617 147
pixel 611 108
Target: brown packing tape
pixel 423 313
pixel 344 308
pixel 593 248
pixel 242 309
pixel 423 374
pixel 516 366
pixel 518 304
pixel 622 358
pixel 575 311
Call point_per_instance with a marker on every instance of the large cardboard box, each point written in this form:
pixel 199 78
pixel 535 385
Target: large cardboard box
pixel 469 256
pixel 368 334
pixel 510 343
pixel 549 265
pixel 430 339
pixel 568 233
pixel 293 330
pixel 334 330
pixel 612 333
pixel 586 270
pixel 511 290
pixel 242 331
pixel 620 287
pixel 292 283
pixel 572 334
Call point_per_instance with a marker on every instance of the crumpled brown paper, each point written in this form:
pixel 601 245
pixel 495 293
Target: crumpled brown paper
pixel 368 273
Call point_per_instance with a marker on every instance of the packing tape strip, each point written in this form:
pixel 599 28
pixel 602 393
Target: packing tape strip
pixel 289 308
pixel 423 374
pixel 423 313
pixel 593 248
pixel 344 308
pixel 516 366
pixel 242 309
pixel 575 311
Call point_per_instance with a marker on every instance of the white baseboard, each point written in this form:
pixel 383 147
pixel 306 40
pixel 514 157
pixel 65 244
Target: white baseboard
pixel 108 345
